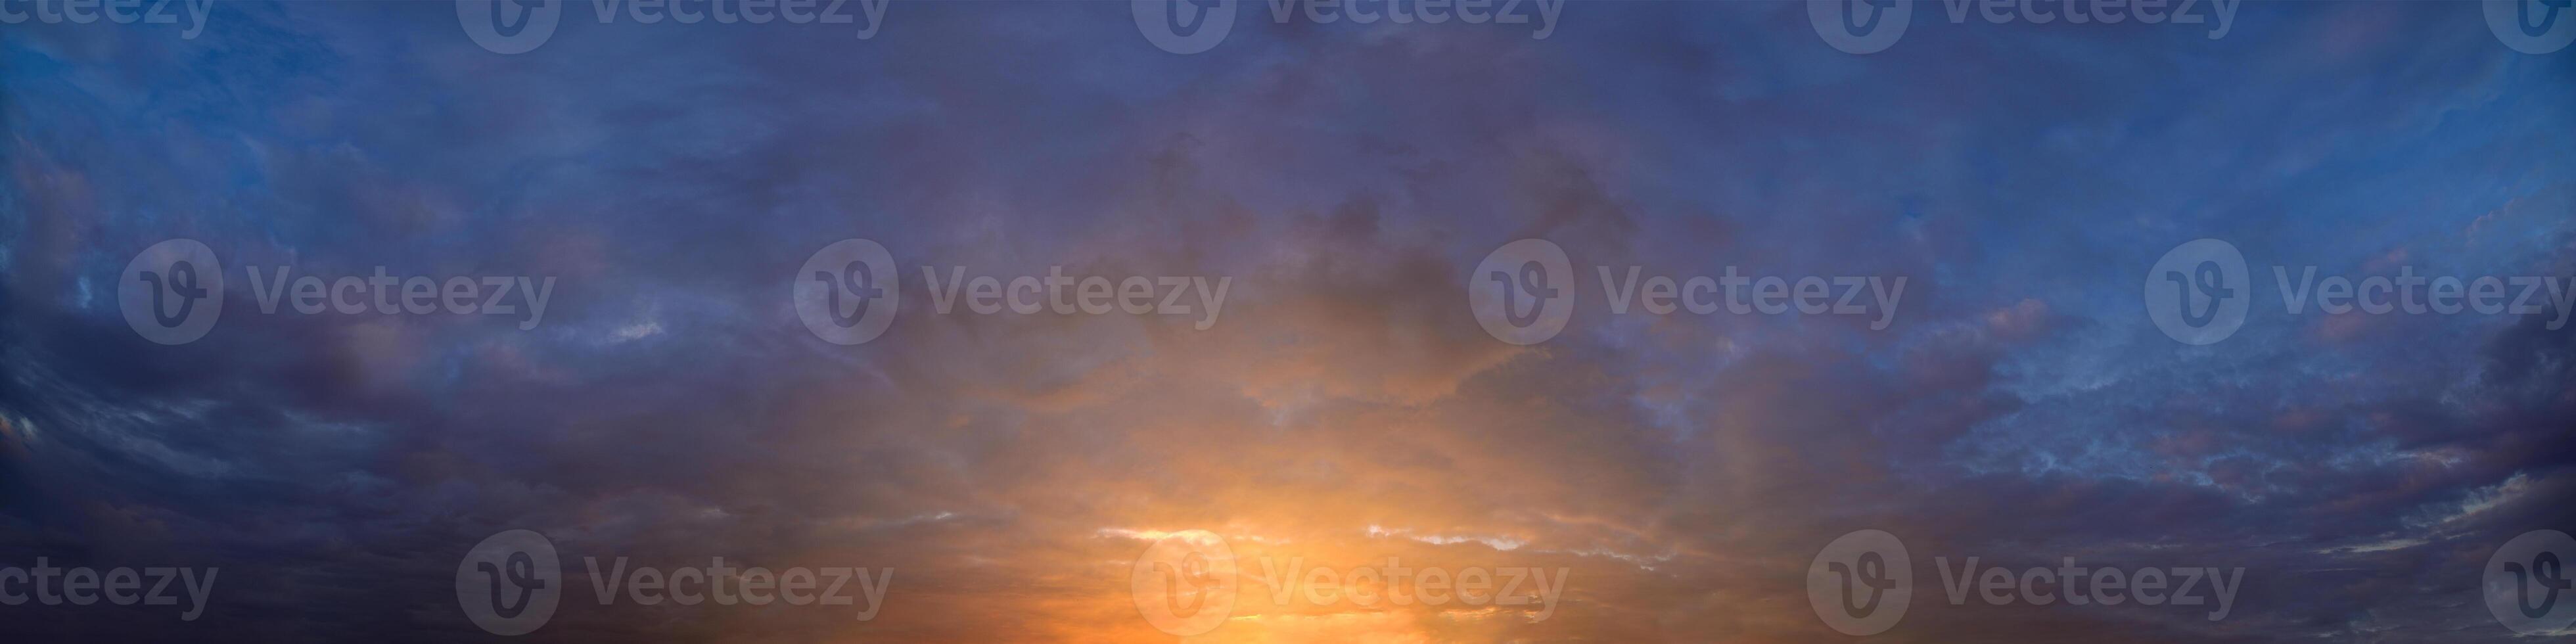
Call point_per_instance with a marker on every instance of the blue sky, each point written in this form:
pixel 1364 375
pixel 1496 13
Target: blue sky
pixel 2022 406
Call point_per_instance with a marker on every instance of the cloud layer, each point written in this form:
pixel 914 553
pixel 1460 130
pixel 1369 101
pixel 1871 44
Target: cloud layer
pixel 1346 407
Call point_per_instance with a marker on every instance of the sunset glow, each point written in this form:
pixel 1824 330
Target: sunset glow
pixel 1274 321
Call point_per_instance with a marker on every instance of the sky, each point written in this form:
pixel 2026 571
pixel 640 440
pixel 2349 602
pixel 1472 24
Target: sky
pixel 669 190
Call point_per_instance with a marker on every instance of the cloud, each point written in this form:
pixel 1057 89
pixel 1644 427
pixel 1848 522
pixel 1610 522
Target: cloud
pixel 1346 408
